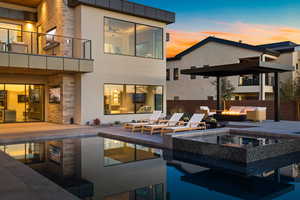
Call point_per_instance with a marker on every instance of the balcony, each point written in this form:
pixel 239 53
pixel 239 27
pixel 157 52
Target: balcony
pixel 32 50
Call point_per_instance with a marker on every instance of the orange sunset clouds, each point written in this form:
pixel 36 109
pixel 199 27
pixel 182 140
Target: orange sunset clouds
pixel 248 33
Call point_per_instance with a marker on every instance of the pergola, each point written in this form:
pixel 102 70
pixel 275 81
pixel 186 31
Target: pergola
pixel 244 68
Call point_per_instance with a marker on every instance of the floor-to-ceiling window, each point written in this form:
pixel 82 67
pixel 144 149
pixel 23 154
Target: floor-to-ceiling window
pixel 21 103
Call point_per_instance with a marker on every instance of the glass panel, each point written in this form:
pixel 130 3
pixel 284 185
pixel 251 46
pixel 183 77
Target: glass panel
pixel 27 152
pixel 176 74
pixel 15 105
pixel 148 98
pixel 149 41
pixel 168 75
pixel 16 151
pixel 117 152
pixel 35 103
pixel 2 102
pixel 118 99
pixel 249 80
pixel 35 152
pixel 119 37
pixel 159 98
pixel 15 34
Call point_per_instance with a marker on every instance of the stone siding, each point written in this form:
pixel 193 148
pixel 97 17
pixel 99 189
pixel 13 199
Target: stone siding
pixel 63 112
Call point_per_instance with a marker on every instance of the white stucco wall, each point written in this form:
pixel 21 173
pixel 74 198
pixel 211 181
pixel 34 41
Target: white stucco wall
pixel 89 23
pixel 200 88
pixel 109 180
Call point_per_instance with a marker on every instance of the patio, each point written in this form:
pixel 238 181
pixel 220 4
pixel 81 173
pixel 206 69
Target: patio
pixel 244 68
pixel 24 132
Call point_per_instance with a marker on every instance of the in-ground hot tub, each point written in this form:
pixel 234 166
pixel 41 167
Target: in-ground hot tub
pixel 236 146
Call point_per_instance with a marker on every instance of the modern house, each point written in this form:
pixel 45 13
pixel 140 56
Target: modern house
pixel 216 51
pixel 72 61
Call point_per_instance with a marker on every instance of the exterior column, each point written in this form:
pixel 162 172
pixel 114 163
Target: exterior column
pixel 219 103
pixel 262 84
pixel 276 98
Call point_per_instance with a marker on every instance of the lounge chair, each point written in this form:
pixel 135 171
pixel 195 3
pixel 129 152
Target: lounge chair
pixel 156 128
pixel 207 111
pixel 195 123
pixel 138 125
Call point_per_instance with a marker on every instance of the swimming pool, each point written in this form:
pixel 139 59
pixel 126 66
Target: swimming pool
pixel 105 169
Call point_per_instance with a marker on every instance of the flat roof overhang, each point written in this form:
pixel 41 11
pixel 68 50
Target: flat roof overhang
pixel 253 67
pixel 130 8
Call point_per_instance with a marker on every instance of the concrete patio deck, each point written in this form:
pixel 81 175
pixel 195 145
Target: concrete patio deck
pixel 19 182
pixel 24 132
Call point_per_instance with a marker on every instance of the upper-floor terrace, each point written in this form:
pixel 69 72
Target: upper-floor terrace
pixel 34 50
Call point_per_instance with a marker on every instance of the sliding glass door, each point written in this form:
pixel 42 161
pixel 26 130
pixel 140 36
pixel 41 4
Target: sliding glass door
pixel 21 103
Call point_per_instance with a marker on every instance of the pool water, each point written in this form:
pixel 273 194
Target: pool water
pixel 105 169
pixel 235 140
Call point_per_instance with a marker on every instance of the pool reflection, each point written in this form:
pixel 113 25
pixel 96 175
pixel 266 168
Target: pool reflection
pixel 105 169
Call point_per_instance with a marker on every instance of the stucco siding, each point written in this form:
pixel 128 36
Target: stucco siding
pixel 210 54
pixel 112 68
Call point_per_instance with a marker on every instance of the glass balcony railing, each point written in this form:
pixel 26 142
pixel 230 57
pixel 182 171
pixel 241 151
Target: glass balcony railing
pixel 26 42
pixel 248 82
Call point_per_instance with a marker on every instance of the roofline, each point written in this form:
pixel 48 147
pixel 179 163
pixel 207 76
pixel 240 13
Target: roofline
pixel 277 43
pixel 130 8
pixel 226 42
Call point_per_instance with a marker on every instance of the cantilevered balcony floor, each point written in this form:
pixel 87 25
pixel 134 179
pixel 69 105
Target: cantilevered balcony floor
pixel 45 62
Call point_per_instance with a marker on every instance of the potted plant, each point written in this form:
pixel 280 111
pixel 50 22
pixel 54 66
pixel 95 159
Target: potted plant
pixel 212 122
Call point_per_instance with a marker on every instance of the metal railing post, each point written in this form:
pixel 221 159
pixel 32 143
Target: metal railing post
pixel 7 40
pixel 90 49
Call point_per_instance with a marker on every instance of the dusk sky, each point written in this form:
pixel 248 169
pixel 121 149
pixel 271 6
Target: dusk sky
pixel 253 22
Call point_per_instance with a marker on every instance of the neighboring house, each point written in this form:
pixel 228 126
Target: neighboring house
pixel 216 51
pixel 68 61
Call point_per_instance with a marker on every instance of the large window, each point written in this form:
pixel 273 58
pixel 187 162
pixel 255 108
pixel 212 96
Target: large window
pixel 149 41
pixel 127 38
pixel 119 37
pixel 131 99
pixel 117 152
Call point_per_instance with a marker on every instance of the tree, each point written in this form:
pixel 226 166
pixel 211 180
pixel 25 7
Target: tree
pixel 226 90
pixel 290 90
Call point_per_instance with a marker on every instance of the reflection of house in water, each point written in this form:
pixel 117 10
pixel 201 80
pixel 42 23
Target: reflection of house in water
pixel 97 167
pixel 238 186
pixel 56 160
pixel 291 172
pixel 123 171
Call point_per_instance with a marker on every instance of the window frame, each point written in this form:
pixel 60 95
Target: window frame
pixel 176 75
pixel 192 76
pixel 135 110
pixel 168 75
pixel 16 24
pixel 135 39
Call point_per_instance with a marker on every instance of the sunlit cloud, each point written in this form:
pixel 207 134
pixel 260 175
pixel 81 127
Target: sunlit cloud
pixel 247 33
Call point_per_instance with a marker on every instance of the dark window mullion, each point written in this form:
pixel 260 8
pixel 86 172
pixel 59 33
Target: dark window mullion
pixel 134 98
pixel 135 39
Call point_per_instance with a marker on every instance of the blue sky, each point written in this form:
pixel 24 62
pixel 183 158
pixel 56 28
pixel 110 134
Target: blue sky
pixel 230 16
pixel 273 12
